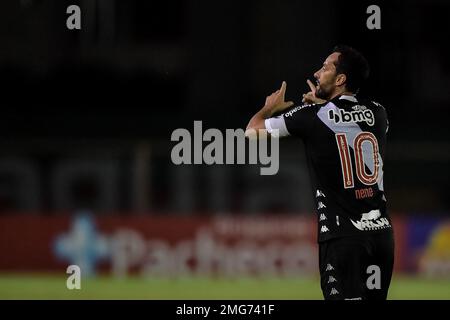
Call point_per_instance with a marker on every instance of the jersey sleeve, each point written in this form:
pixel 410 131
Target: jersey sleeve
pixel 296 122
pixel 383 117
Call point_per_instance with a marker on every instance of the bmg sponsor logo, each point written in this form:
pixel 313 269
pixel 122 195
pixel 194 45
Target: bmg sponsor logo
pixel 358 114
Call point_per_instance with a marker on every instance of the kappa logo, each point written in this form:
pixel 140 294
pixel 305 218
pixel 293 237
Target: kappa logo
pixel 359 114
pixel 320 194
pixel 329 267
pixel 331 279
pixel 324 229
pixel 371 221
pixel 321 205
pixel 322 217
pixel 333 292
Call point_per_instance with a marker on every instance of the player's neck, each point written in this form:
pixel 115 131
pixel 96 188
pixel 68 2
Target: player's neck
pixel 341 92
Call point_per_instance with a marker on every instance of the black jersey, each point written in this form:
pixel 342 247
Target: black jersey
pixel 345 141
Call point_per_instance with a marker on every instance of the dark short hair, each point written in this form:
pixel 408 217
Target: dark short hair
pixel 354 65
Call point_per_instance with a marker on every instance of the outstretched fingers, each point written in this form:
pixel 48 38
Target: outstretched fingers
pixel 311 86
pixel 283 88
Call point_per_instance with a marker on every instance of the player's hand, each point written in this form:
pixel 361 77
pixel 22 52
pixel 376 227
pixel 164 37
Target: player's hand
pixel 275 102
pixel 310 97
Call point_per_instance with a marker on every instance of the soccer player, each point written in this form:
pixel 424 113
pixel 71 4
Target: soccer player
pixel 345 139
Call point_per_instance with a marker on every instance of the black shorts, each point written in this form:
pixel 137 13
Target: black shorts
pixel 357 267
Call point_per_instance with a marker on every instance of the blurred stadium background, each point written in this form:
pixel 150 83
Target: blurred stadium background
pixel 85 170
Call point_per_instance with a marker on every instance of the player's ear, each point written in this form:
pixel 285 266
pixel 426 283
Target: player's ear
pixel 341 79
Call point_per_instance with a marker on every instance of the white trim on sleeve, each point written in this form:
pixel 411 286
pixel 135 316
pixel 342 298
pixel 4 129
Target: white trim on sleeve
pixel 276 127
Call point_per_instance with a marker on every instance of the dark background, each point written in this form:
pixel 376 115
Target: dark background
pixel 87 115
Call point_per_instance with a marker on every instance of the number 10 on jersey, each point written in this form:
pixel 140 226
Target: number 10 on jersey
pixel 361 157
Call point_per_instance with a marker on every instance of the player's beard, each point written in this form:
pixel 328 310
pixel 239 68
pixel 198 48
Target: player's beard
pixel 322 93
pixel 326 88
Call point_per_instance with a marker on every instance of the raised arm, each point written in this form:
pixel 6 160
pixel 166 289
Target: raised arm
pixel 274 103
